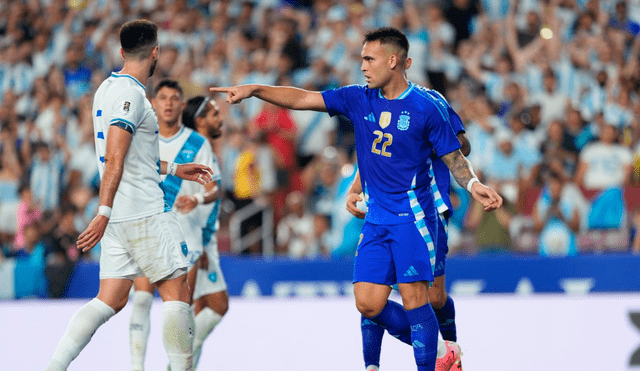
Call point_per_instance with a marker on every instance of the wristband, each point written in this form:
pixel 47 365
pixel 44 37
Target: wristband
pixel 171 168
pixel 470 184
pixel 104 210
pixel 199 198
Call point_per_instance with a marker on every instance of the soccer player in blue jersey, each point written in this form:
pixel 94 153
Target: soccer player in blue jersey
pixel 398 125
pixel 441 302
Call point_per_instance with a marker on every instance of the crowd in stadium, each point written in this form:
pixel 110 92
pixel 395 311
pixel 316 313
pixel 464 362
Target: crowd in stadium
pixel 549 92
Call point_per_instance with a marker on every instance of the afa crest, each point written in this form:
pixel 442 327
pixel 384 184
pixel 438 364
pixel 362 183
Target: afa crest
pixel 403 121
pixel 385 119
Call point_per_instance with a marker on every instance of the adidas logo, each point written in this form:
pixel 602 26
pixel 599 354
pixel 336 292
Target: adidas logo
pixel 448 322
pixel 411 272
pixel 371 117
pixel 368 322
pixel 440 266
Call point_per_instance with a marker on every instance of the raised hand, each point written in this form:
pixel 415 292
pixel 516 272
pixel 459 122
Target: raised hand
pixel 195 173
pixel 235 94
pixel 489 198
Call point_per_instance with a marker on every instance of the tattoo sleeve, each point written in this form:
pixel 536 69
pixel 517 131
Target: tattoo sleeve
pixel 460 167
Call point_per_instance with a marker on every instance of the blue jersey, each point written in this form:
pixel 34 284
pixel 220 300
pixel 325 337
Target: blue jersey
pixel 441 171
pixel 394 142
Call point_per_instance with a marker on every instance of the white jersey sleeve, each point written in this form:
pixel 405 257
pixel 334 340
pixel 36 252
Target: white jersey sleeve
pixel 128 109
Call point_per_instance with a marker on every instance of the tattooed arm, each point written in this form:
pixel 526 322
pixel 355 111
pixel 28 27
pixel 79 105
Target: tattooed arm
pixel 462 171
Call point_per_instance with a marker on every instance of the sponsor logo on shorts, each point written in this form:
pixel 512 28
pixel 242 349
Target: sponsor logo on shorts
pixel 213 276
pixel 185 249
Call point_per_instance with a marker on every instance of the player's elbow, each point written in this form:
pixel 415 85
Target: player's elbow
pixel 465 146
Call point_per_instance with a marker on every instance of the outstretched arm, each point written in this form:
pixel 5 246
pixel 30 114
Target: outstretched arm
pixel 462 171
pixel 191 171
pixel 283 96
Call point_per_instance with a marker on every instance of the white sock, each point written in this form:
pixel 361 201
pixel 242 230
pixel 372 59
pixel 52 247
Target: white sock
pixel 372 368
pixel 177 334
pixel 205 322
pixel 442 347
pixel 82 326
pixel 139 326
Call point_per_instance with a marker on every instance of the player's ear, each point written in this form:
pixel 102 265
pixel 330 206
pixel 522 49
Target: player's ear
pixel 393 61
pixel 407 63
pixel 122 53
pixel 155 52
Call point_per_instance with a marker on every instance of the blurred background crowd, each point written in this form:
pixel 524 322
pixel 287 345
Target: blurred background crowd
pixel 549 92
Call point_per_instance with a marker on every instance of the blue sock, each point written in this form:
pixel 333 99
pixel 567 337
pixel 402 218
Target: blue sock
pixel 371 341
pixel 424 336
pixel 394 318
pixel 447 320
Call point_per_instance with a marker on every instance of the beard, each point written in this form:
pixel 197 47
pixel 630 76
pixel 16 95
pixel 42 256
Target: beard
pixel 152 69
pixel 213 133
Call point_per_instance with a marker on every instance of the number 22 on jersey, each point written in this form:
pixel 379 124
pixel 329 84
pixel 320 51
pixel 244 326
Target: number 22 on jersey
pixel 388 139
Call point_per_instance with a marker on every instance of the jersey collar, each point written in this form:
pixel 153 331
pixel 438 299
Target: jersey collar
pixel 113 74
pixel 173 137
pixel 402 96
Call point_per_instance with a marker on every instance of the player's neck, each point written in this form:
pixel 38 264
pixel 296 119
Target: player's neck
pixel 137 70
pixel 394 88
pixel 167 130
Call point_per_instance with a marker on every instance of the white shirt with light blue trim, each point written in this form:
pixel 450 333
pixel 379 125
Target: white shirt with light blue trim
pixel 193 222
pixel 121 101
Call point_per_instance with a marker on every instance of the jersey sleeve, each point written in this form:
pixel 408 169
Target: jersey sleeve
pixel 342 100
pixel 128 110
pixel 456 122
pixel 439 131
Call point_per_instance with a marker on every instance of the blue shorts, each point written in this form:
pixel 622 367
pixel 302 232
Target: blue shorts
pixel 442 246
pixel 390 254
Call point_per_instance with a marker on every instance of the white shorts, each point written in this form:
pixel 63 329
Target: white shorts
pixel 210 281
pixel 152 246
pixel 193 238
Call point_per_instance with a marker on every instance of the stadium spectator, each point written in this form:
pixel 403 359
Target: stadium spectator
pixel 604 163
pixel 30 265
pixel 557 218
pixel 26 213
pixel 299 235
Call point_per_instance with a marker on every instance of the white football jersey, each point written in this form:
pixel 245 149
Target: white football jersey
pixel 184 147
pixel 121 101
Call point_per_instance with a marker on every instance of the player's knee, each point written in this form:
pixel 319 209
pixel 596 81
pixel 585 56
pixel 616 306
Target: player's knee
pixel 368 309
pixel 222 307
pixel 117 306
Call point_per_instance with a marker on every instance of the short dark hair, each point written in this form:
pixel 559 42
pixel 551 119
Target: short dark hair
pixel 138 38
pixel 167 83
pixel 389 35
pixel 190 109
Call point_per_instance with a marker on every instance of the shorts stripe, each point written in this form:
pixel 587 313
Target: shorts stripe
pixel 422 228
pixel 415 205
pixel 440 205
pixel 444 223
